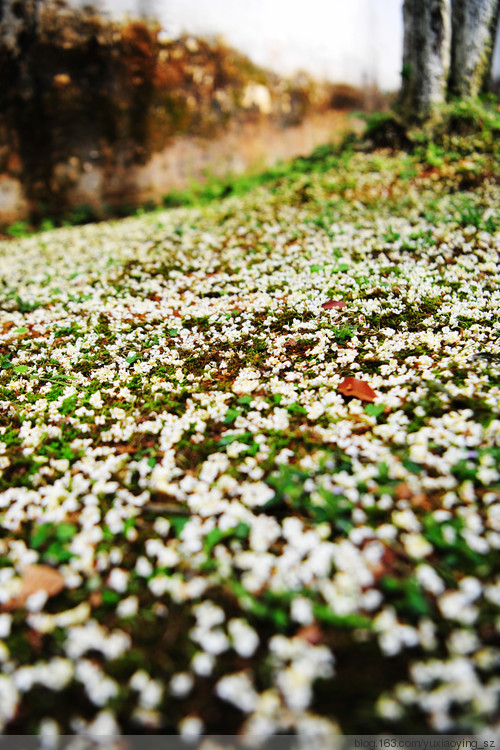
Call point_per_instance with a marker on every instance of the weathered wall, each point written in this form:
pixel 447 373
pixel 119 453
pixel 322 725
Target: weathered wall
pixel 108 115
pixel 354 42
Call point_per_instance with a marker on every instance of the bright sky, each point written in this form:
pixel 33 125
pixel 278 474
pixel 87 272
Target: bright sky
pixel 329 38
pixel 350 41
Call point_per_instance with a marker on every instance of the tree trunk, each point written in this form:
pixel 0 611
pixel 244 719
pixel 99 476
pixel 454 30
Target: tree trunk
pixel 426 56
pixel 474 28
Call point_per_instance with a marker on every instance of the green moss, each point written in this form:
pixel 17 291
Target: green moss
pixel 412 319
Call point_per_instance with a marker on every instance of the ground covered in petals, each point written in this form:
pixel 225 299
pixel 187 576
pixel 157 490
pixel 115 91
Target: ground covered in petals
pixel 224 541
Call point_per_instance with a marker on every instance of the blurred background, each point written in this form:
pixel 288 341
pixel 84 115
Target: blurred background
pixel 357 42
pixel 108 106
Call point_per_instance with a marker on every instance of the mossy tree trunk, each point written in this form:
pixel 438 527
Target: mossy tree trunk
pixel 426 56
pixel 447 50
pixel 474 28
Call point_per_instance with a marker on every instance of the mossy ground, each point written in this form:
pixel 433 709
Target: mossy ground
pixel 244 548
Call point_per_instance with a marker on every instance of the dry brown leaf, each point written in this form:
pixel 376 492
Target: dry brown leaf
pixel 40 577
pixel 37 578
pixel 420 500
pixel 35 639
pixel 95 599
pixel 357 389
pixel 385 565
pixel 402 491
pixel 311 633
pixel 338 303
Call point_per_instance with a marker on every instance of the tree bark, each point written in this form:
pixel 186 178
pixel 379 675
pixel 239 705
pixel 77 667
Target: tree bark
pixel 426 56
pixel 474 26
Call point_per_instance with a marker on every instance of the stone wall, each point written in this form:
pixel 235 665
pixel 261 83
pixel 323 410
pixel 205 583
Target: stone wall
pixel 106 114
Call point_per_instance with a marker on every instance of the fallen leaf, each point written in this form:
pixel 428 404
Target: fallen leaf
pixel 403 491
pixel 35 639
pixel 311 633
pixel 40 577
pixel 339 303
pixel 37 578
pixel 357 389
pixel 384 565
pixel 421 500
pixel 95 599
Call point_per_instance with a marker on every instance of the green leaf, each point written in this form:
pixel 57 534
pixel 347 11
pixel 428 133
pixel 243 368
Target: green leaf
pixel 464 469
pixel 228 439
pixel 21 368
pixel 417 603
pixel 373 410
pixel 383 471
pixel 212 538
pixel 344 333
pixel 279 617
pixel 389 583
pixel 173 332
pixel 58 553
pixel 41 534
pixel 20 330
pixel 412 466
pixel 242 531
pixel 258 608
pixel 407 595
pixel 344 525
pixel 110 597
pixel 129 524
pixel 177 523
pixel 341 268
pixel 245 400
pixel 65 532
pixel 324 614
pixel 252 450
pixel 68 405
pixel 231 415
pixel 296 408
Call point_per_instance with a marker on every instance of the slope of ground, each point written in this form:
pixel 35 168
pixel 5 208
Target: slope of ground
pixel 202 529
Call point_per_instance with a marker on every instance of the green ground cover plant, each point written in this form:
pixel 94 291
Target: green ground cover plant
pixel 199 533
